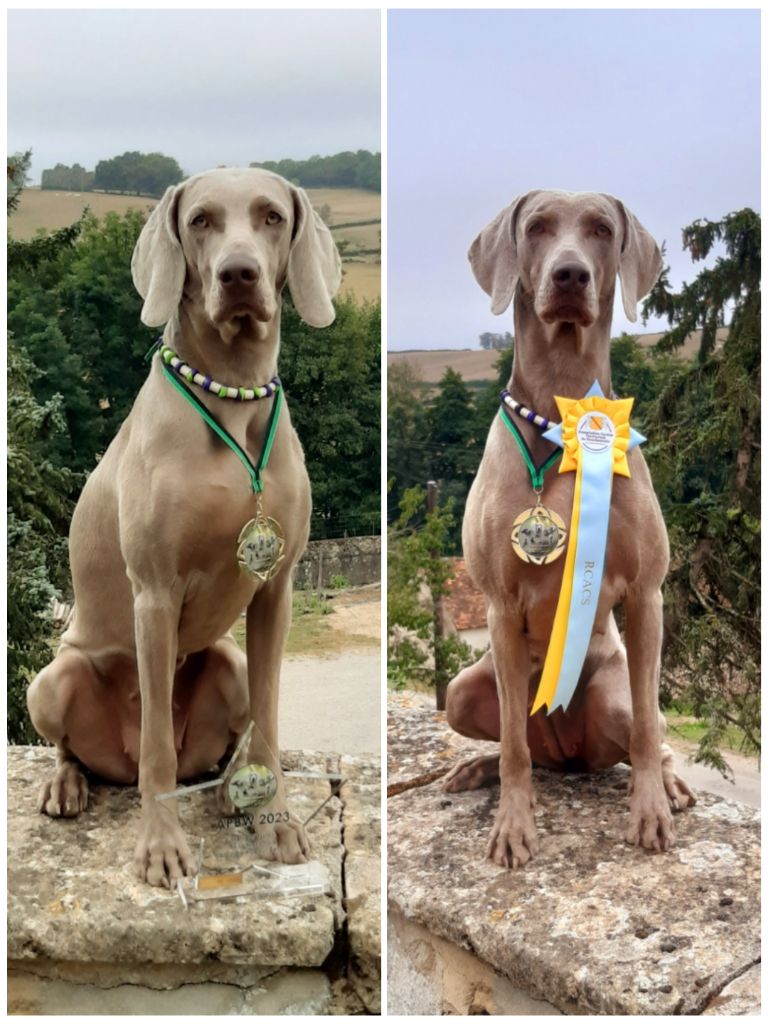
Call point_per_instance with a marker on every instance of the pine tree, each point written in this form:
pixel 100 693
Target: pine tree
pixel 705 460
pixel 38 509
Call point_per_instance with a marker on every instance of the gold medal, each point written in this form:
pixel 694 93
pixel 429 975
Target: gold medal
pixel 538 535
pixel 260 546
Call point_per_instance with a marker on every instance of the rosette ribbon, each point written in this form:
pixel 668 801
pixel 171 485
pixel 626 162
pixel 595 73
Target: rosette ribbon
pixel 595 436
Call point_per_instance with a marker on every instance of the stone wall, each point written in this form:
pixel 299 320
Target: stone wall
pixel 591 925
pixel 356 559
pixel 86 936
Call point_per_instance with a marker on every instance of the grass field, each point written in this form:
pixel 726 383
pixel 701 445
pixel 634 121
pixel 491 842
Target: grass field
pixel 430 365
pixel 51 210
pixel 476 364
pixel 313 630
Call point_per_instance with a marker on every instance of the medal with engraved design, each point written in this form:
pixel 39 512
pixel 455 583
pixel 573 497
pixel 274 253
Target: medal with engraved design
pixel 260 546
pixel 538 535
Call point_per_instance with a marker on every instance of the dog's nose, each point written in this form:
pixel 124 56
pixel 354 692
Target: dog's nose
pixel 239 271
pixel 571 276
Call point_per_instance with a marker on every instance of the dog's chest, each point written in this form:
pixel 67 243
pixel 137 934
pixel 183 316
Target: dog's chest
pixel 534 589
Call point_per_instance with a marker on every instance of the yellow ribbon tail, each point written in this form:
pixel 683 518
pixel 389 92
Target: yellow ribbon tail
pixel 551 671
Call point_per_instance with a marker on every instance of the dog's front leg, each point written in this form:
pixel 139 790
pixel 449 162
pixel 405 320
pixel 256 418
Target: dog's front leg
pixel 162 854
pixel 280 834
pixel 513 838
pixel 650 818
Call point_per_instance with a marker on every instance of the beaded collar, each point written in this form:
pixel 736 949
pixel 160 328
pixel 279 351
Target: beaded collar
pixel 207 383
pixel 525 413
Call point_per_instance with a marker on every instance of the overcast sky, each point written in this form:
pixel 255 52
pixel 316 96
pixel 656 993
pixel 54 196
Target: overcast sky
pixel 205 87
pixel 660 108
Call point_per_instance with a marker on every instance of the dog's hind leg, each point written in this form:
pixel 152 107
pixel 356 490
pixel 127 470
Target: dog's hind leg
pixel 51 701
pixel 71 707
pixel 607 714
pixel 472 710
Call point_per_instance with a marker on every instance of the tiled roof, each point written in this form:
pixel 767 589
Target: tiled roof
pixel 464 603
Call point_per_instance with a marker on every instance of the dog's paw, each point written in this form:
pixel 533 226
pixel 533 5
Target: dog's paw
pixel 679 794
pixel 513 838
pixel 66 794
pixel 472 774
pixel 650 816
pixel 280 836
pixel 162 854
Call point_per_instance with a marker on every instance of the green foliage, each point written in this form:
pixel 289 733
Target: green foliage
pixel 342 170
pixel 17 174
pixel 67 179
pixel 37 516
pixel 417 577
pixel 77 318
pixel 333 382
pixel 732 284
pixel 38 509
pixel 439 436
pixel 707 474
pixel 146 174
pixel 339 582
pixel 407 434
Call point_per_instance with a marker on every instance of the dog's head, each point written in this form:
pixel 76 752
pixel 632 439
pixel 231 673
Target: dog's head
pixel 227 241
pixel 564 249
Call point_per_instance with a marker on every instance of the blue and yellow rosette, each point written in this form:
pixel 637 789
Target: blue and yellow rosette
pixel 595 436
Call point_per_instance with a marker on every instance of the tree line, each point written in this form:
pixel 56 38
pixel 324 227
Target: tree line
pixel 150 174
pixel 702 419
pixel 133 173
pixel 342 170
pixel 76 361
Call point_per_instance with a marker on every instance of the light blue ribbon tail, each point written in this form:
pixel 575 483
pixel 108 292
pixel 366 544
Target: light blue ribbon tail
pixel 555 434
pixel 596 484
pixel 635 438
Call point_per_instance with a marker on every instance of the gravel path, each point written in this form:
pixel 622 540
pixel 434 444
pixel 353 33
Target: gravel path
pixel 332 703
pixel 745 788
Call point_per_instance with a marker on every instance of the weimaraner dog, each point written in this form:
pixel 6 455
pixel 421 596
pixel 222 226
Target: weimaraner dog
pixel 557 254
pixel 148 684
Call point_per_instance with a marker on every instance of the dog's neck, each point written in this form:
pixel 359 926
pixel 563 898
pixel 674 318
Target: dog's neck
pixel 559 358
pixel 244 355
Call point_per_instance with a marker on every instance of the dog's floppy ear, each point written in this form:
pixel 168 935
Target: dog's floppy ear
pixel 158 266
pixel 639 263
pixel 314 265
pixel 493 256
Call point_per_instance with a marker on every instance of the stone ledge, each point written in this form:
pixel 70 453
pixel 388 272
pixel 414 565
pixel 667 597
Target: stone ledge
pixel 592 925
pixel 77 915
pixel 361 798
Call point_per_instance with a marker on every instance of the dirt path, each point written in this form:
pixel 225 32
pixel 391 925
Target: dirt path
pixel 332 703
pixel 332 700
pixel 744 789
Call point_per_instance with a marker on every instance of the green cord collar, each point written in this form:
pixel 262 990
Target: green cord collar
pixel 536 472
pixel 254 470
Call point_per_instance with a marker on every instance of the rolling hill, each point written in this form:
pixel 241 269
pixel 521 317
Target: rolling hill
pixel 357 211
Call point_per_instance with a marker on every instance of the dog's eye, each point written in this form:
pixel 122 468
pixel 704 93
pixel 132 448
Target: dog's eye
pixel 273 217
pixel 535 227
pixel 200 221
pixel 603 230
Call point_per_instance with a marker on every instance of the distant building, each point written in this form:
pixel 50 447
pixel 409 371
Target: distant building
pixel 464 608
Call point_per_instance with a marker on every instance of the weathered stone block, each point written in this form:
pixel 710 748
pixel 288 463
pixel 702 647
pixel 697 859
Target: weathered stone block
pixel 80 923
pixel 361 798
pixel 592 925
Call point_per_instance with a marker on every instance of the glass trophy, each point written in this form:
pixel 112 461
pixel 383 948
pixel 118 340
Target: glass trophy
pixel 225 816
